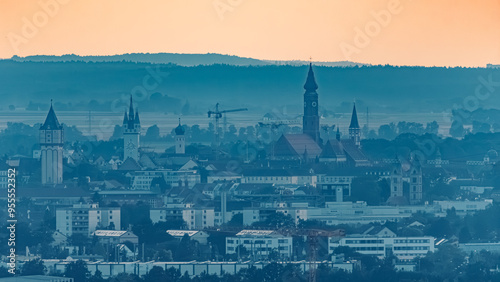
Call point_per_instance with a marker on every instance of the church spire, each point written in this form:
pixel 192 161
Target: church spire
pixel 131 110
pixel 354 118
pixel 51 122
pixel 354 130
pixel 310 120
pixel 125 118
pixel 310 85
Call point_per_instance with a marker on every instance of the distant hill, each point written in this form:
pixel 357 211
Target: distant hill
pixel 187 60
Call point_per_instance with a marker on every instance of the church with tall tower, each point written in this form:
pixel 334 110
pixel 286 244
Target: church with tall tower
pixel 310 122
pixel 180 140
pixel 308 146
pixel 51 143
pixel 131 133
pixel 354 129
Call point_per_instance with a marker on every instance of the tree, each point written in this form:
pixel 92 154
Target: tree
pixel 464 235
pixel 33 267
pixel 185 250
pixel 236 220
pixel 165 255
pixel 155 274
pixel 457 129
pixel 277 220
pixel 387 131
pixel 117 133
pixel 97 277
pixel 153 133
pixel 78 271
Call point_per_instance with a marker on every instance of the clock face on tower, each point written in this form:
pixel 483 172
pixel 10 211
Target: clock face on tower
pixel 314 104
pixel 130 145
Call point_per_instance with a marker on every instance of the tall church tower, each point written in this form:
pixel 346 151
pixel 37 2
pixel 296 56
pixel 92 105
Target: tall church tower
pixel 180 140
pixel 131 133
pixel 51 143
pixel 310 124
pixel 354 130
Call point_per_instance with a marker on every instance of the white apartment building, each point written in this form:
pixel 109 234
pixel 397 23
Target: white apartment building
pixel 199 218
pixel 404 248
pixel 279 177
pixel 86 218
pixel 169 213
pixel 260 243
pixel 142 179
pixel 195 218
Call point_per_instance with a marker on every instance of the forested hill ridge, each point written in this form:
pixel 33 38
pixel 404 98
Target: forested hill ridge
pixel 383 88
pixel 187 60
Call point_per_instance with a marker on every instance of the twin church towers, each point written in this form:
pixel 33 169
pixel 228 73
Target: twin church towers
pixel 51 137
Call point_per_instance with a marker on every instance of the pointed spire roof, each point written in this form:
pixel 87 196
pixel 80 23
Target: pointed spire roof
pixel 354 118
pixel 137 120
pixel 338 134
pixel 131 109
pixel 125 118
pixel 51 122
pixel 179 130
pixel 310 85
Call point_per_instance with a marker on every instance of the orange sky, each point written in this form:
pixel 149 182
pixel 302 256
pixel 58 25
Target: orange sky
pixel 419 32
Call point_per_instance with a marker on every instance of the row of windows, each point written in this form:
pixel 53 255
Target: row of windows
pixel 368 248
pixel 411 248
pixel 257 242
pixel 411 241
pixel 268 178
pixel 335 179
pixel 364 241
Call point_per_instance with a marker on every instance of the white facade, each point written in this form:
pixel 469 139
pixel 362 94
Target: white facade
pixel 180 144
pixel 280 179
pixel 464 207
pixel 85 219
pixel 198 218
pixel 260 243
pixel 173 212
pixel 142 179
pixel 404 248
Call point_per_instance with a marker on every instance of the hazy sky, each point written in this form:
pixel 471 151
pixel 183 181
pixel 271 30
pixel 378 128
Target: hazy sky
pixel 418 32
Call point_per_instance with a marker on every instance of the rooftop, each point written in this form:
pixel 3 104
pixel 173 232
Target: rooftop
pixel 109 233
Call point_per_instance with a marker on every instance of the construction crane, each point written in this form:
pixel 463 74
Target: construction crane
pixel 312 236
pixel 312 242
pixel 218 115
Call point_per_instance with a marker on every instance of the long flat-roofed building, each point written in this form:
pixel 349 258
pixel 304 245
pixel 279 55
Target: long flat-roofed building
pixel 260 243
